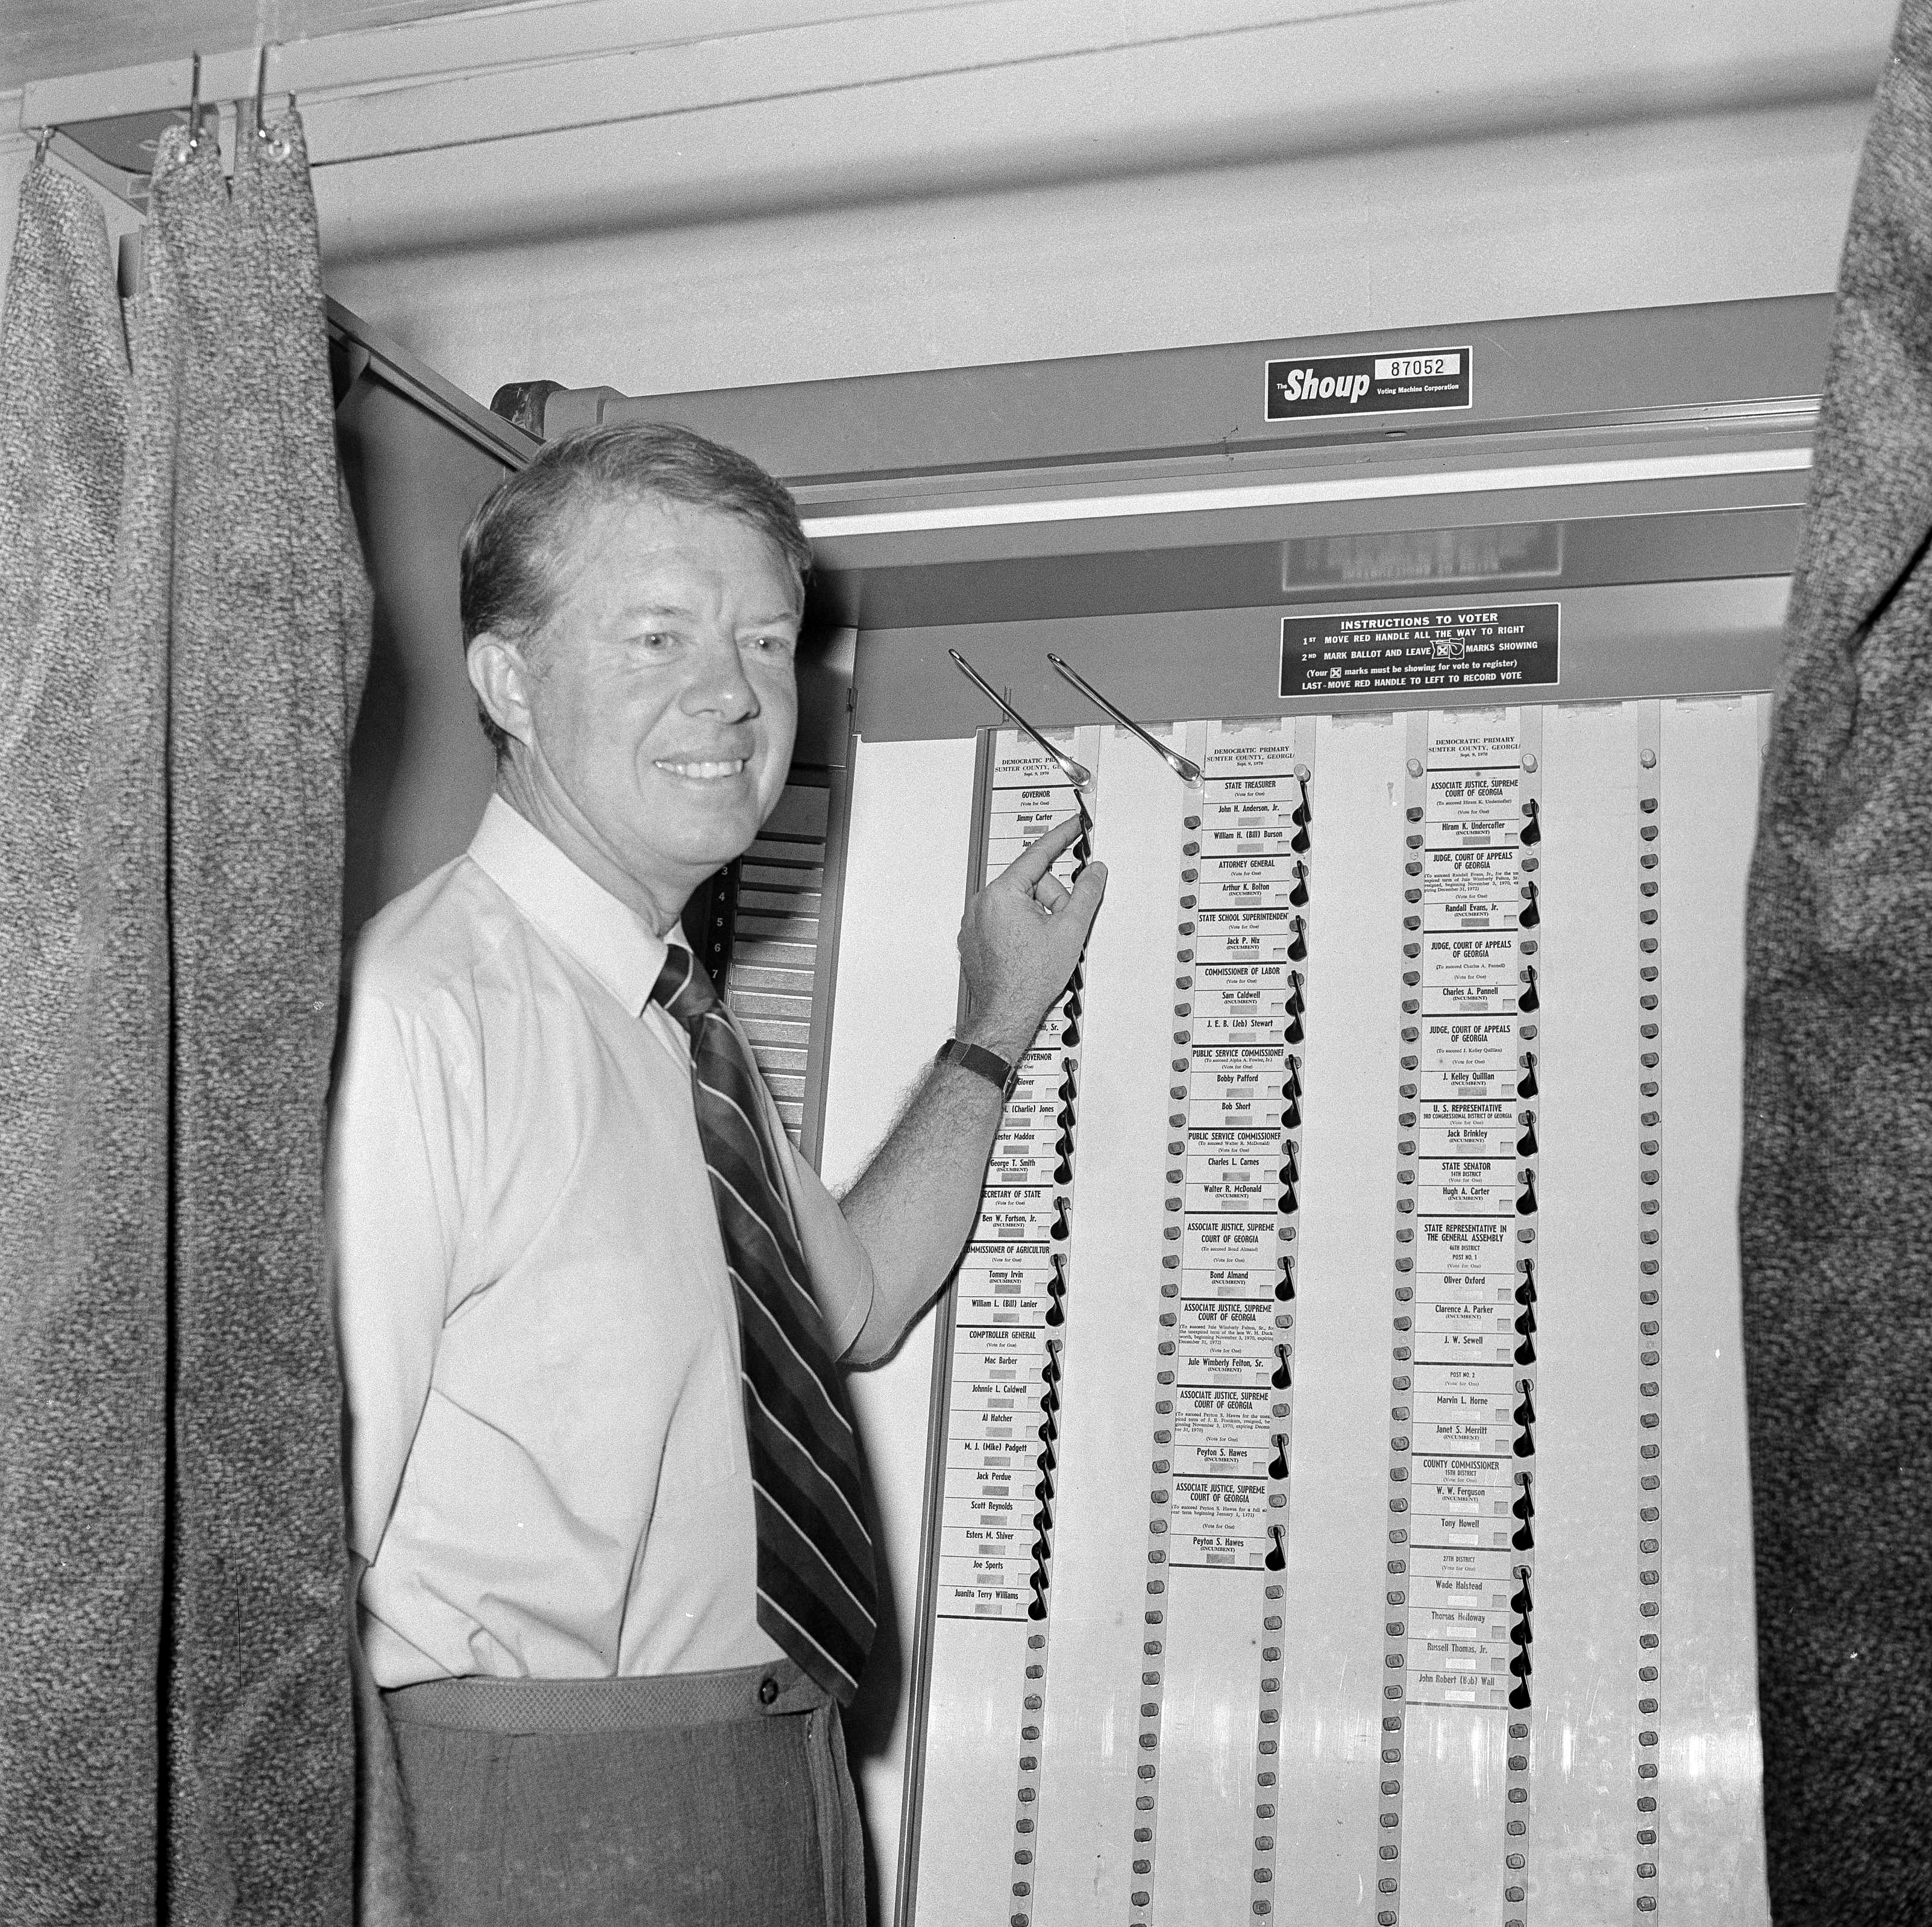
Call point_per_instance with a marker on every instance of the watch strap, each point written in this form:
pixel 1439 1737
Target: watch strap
pixel 981 1063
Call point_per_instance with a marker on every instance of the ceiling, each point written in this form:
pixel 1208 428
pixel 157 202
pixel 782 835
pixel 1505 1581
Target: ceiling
pixel 41 40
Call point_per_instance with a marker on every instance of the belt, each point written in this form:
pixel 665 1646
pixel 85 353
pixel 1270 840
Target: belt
pixel 657 1701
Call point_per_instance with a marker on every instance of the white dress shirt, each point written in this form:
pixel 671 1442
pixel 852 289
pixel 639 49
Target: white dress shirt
pixel 547 1463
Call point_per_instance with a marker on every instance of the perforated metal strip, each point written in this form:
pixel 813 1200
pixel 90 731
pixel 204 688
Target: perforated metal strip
pixel 1649 1018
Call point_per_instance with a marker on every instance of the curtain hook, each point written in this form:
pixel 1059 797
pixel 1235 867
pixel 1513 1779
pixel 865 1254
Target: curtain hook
pixel 194 108
pixel 261 90
pixel 42 142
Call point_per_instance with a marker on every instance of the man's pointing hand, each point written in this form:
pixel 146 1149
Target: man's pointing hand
pixel 1020 939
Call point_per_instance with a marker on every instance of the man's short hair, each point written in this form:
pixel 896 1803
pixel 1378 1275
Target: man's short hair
pixel 513 545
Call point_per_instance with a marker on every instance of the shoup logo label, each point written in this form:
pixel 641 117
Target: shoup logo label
pixel 1311 384
pixel 1394 382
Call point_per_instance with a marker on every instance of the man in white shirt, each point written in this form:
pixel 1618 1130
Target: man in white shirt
pixel 601 1714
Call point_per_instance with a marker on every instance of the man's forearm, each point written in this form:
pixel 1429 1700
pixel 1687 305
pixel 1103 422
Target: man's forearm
pixel 914 1207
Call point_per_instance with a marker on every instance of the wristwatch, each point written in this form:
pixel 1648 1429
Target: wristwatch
pixel 982 1063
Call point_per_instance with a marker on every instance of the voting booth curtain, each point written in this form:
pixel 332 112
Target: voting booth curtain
pixel 1836 1205
pixel 183 627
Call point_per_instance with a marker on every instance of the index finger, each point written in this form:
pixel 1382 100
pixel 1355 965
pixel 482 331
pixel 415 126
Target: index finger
pixel 1037 858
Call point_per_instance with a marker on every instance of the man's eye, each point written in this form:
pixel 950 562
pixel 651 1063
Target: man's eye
pixel 771 645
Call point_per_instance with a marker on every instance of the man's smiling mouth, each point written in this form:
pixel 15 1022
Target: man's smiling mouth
pixel 704 772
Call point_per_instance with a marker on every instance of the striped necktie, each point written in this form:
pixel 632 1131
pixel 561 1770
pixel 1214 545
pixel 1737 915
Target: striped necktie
pixel 817 1595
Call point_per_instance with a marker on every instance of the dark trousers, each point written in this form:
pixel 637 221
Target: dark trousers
pixel 694 1800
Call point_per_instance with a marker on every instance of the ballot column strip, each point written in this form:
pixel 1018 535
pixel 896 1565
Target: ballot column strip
pixel 1223 1377
pixel 938 1453
pixel 1650 1272
pixel 1528 832
pixel 1048 1091
pixel 1154 1627
pixel 994 1556
pixel 1268 1724
pixel 1459 1596
pixel 1395 1630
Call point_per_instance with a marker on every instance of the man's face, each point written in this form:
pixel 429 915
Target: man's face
pixel 660 700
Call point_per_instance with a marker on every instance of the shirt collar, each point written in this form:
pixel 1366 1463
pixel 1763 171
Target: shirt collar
pixel 608 938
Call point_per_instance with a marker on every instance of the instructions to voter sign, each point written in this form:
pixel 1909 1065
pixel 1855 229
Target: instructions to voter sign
pixel 1382 650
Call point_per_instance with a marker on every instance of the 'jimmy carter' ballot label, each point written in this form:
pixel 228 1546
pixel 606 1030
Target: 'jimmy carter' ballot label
pixel 1028 814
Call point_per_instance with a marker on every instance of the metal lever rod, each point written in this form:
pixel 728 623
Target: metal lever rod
pixel 1188 772
pixel 1077 774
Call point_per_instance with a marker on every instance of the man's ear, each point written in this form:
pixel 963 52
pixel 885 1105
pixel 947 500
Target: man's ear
pixel 501 676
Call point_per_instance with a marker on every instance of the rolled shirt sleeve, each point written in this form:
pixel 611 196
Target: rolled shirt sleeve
pixel 394 1212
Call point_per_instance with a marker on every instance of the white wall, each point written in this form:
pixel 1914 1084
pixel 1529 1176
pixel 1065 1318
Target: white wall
pixel 662 194
pixel 1706 208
